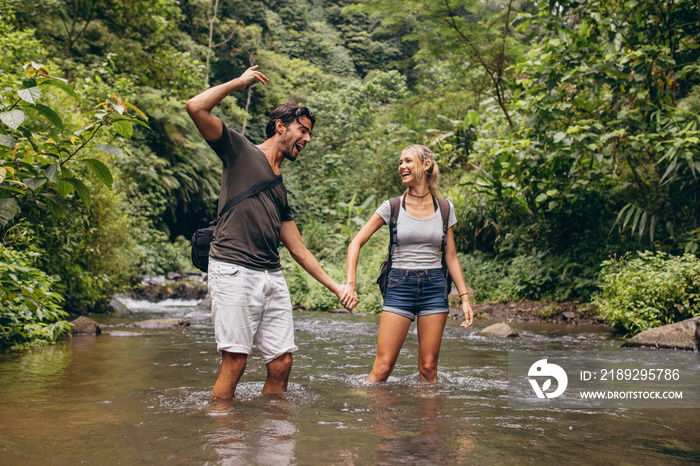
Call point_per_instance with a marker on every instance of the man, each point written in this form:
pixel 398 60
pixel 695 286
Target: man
pixel 250 299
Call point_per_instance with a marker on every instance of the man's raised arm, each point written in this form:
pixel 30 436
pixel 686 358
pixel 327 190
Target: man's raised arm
pixel 199 107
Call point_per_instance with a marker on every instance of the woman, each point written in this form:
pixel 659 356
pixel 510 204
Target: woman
pixel 416 286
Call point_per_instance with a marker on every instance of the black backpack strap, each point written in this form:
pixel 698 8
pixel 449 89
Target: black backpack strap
pixel 445 212
pixel 393 237
pixel 252 191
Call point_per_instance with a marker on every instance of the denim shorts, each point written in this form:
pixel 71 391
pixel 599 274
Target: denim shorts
pixel 415 293
pixel 250 307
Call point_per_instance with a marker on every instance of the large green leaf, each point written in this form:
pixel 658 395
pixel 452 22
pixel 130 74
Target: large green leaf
pixel 13 118
pixel 472 118
pixel 82 190
pixel 124 128
pixel 139 122
pixel 61 85
pixel 34 183
pixel 64 188
pixel 110 149
pixel 101 170
pixel 30 95
pixel 8 209
pixel 7 141
pixel 139 112
pixel 50 115
pixel 14 189
pixel 56 205
pixel 559 136
pixel 52 173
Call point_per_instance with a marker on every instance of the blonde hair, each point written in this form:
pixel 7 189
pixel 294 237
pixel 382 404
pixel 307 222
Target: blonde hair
pixel 432 174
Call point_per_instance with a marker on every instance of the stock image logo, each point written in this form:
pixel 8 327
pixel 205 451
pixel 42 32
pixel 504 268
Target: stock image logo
pixel 542 369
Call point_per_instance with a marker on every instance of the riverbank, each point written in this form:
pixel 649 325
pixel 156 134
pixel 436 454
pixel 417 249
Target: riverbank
pixel 191 286
pixel 565 313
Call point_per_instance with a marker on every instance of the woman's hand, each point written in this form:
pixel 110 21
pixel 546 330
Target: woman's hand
pixel 348 297
pixel 468 312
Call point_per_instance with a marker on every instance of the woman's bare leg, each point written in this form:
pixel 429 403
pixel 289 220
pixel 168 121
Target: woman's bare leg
pixel 430 330
pixel 392 333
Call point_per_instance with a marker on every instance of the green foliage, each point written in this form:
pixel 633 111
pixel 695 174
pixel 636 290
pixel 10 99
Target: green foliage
pixel 30 309
pixel 465 50
pixel 156 254
pixel 54 164
pixel 19 47
pixel 603 155
pixel 172 177
pixel 354 216
pixel 548 310
pixel 49 162
pixel 137 38
pixel 104 236
pixel 649 290
pixel 528 276
pixel 599 127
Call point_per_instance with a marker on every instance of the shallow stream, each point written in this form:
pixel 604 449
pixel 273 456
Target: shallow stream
pixel 142 396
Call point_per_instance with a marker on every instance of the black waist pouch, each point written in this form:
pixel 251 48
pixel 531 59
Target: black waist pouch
pixel 201 241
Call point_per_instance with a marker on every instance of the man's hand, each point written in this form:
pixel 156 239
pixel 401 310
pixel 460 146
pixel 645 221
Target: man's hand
pixel 251 74
pixel 200 106
pixel 348 297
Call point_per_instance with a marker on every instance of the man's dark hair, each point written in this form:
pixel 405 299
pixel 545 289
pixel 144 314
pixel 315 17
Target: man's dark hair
pixel 287 113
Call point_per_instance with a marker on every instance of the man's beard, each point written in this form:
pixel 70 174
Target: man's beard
pixel 288 152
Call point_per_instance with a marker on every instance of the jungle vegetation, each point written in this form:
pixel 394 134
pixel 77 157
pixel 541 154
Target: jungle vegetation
pixel 566 132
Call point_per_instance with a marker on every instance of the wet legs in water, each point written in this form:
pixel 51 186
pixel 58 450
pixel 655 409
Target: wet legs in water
pixel 430 330
pixel 233 365
pixel 278 375
pixel 392 334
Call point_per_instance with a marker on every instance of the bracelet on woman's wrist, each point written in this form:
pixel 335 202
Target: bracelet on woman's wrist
pixel 465 293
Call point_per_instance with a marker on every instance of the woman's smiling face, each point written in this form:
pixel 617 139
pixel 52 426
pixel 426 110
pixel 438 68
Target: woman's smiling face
pixel 410 169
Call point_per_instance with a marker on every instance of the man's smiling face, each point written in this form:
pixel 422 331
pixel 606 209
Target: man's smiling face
pixel 295 137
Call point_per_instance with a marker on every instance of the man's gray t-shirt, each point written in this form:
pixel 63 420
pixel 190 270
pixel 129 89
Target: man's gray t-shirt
pixel 249 233
pixel 418 239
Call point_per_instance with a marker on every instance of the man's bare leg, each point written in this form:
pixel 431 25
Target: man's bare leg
pixel 232 367
pixel 278 375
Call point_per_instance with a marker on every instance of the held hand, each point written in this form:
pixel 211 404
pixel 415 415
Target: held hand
pixel 468 314
pixel 353 302
pixel 251 74
pixel 348 297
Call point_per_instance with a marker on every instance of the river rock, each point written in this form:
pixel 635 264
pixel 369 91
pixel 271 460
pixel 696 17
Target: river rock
pixel 153 280
pixel 193 275
pixel 173 276
pixel 161 323
pixel 683 335
pixel 181 289
pixel 84 326
pixel 500 330
pixel 117 306
pixel 206 303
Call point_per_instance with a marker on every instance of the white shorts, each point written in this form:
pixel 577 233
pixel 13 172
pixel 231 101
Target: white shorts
pixel 250 306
